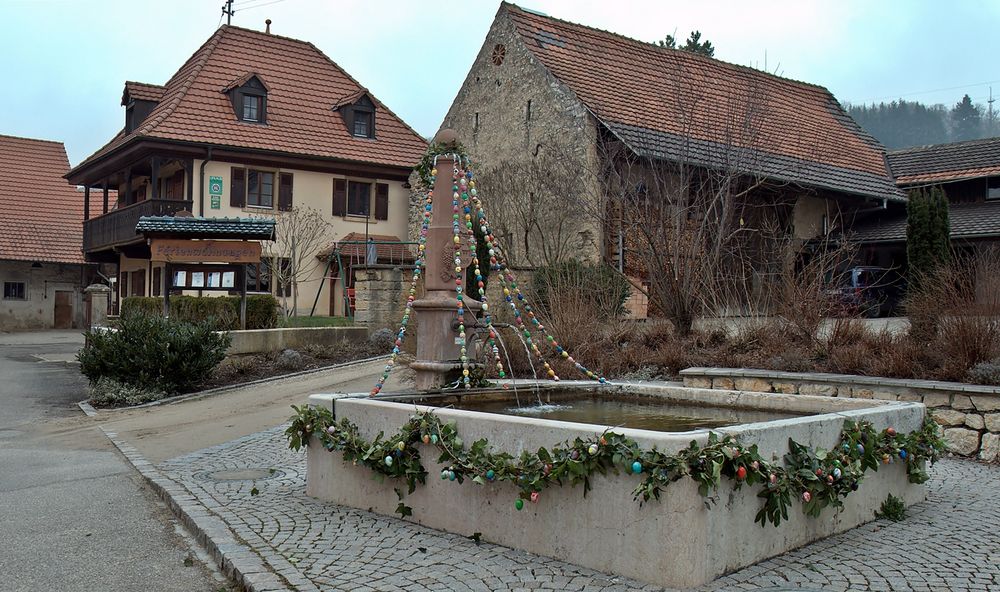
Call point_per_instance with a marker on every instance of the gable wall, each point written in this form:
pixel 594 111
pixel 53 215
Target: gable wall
pixel 559 125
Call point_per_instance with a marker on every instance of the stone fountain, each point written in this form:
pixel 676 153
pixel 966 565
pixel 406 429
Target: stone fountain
pixel 681 539
pixel 438 343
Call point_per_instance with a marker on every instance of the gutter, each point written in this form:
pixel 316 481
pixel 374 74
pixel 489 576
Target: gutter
pixel 201 182
pixel 881 208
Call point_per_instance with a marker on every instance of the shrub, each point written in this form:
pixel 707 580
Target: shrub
pixel 153 353
pixel 603 288
pixel 986 373
pixel 222 312
pixel 892 509
pixel 107 392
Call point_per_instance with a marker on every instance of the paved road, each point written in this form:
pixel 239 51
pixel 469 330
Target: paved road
pixel 74 516
pixel 950 542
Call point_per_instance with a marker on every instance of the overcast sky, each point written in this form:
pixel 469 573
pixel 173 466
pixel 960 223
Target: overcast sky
pixel 64 62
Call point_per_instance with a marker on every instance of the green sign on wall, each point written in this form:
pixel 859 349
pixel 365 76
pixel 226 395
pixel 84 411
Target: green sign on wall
pixel 215 192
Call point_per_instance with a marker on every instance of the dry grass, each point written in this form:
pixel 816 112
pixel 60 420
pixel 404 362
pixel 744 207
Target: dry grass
pixel 956 329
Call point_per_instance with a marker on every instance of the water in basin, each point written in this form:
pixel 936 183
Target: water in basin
pixel 640 412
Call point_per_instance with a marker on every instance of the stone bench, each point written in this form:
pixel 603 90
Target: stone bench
pixel 968 413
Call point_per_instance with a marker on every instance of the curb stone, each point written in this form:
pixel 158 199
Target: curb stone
pixel 87 408
pixel 232 387
pixel 237 561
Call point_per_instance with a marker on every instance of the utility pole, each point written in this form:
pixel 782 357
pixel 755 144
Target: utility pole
pixel 227 9
pixel 990 102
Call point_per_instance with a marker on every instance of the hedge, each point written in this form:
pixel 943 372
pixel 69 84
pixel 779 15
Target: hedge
pixel 223 311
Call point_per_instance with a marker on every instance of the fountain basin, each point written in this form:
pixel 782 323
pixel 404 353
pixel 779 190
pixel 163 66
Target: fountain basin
pixel 678 541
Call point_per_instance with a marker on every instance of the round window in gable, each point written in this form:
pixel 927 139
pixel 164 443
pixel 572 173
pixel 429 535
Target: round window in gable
pixel 499 53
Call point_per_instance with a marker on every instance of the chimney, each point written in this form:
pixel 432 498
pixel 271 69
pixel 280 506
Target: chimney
pixel 268 29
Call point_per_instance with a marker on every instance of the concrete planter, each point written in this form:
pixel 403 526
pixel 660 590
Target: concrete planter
pixel 683 540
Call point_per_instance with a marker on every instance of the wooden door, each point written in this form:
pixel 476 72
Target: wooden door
pixel 64 310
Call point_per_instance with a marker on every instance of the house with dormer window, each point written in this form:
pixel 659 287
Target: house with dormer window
pixel 251 125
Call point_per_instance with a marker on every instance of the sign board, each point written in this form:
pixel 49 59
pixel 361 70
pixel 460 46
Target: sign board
pixel 204 251
pixel 220 278
pixel 215 192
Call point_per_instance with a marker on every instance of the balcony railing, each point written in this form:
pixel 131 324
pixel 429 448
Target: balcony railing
pixel 117 227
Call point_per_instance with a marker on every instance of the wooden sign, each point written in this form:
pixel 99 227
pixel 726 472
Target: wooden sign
pixel 204 251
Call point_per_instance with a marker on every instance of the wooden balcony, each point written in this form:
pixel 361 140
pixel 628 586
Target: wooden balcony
pixel 117 227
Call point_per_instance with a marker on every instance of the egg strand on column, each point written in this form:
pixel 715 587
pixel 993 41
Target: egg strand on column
pixel 419 263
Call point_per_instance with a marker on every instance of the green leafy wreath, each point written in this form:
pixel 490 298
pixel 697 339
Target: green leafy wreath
pixel 818 477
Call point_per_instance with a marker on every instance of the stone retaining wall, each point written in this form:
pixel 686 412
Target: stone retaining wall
pixel 969 414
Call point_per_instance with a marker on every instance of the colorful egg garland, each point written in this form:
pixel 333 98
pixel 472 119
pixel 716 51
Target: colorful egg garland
pixel 465 201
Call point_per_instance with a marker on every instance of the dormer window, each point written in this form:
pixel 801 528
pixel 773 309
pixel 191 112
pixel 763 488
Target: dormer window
pixel 251 108
pixel 358 111
pixel 248 95
pixel 363 127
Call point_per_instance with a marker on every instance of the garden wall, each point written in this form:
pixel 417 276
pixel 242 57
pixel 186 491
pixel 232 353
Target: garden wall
pixel 257 341
pixel 969 414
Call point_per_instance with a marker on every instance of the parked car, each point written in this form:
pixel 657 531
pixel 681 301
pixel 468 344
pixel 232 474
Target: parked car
pixel 870 291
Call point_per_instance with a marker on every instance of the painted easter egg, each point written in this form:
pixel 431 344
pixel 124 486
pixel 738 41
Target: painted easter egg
pixel 388 461
pixel 637 467
pixel 806 496
pixel 490 474
pixel 592 449
pixel 741 473
pixel 519 504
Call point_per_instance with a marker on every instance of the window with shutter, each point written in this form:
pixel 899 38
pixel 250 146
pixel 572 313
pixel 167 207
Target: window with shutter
pixel 339 197
pixel 381 201
pixel 139 282
pixel 238 188
pixel 359 197
pixel 285 191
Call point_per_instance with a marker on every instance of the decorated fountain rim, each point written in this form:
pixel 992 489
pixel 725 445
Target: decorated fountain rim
pixel 817 477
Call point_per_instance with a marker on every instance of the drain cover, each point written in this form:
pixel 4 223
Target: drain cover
pixel 250 474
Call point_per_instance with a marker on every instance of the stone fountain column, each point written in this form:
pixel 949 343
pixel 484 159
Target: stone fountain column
pixel 438 350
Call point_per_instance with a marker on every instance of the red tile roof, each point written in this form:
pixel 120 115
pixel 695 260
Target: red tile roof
pixel 43 214
pixel 304 87
pixel 142 91
pixel 389 248
pixel 675 104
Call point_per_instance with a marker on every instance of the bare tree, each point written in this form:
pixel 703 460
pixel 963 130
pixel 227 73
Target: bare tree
pixel 301 232
pixel 534 207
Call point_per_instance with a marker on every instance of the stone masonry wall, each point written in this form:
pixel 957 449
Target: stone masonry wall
pixel 515 112
pixel 969 415
pixel 380 295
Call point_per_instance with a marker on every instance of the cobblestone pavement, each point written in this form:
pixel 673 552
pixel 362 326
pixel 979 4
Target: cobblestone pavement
pixel 256 486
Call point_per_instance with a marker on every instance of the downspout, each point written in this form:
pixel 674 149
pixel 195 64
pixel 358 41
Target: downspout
pixel 201 183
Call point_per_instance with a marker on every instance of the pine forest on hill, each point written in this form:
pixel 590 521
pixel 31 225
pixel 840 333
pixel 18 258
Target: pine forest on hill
pixel 902 124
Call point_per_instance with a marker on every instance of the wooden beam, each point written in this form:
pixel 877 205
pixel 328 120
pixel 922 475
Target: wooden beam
pixel 189 170
pixel 105 195
pixel 155 177
pixel 86 202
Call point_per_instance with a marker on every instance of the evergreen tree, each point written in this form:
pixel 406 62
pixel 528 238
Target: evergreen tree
pixel 966 121
pixel 927 230
pixel 694 44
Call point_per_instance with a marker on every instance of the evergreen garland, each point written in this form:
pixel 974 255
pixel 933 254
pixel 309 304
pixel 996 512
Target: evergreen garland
pixel 817 477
